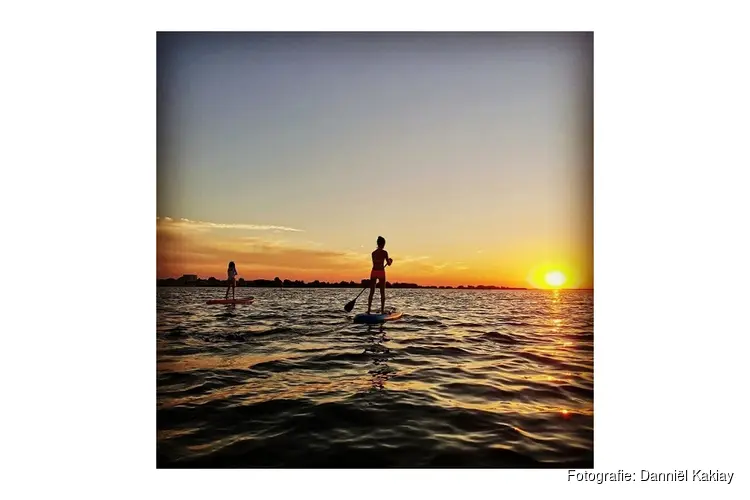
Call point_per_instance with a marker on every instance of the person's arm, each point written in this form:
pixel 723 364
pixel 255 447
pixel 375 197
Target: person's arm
pixel 388 260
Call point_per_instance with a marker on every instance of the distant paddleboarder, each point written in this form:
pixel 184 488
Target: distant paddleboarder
pixel 231 275
pixel 380 259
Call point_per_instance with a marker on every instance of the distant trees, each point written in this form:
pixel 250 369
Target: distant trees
pixel 279 283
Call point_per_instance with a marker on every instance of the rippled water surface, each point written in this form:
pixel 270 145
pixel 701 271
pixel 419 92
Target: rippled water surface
pixel 464 379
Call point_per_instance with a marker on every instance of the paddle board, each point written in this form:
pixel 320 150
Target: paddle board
pixel 377 318
pixel 248 300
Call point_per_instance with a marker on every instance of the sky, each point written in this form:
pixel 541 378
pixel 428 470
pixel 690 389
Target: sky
pixel 290 153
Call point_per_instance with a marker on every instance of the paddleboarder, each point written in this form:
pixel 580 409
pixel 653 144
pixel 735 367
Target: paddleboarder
pixel 231 275
pixel 380 259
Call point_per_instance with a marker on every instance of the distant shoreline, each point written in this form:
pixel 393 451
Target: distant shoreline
pixel 278 283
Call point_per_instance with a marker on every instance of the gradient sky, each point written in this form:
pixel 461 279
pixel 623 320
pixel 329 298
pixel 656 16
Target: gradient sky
pixel 472 154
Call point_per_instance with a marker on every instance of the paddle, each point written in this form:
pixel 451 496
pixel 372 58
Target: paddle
pixel 350 305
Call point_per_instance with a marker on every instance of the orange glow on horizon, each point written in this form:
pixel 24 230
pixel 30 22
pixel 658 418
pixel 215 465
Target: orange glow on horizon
pixel 189 249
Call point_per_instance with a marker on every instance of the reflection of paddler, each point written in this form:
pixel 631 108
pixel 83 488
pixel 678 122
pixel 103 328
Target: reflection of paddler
pixel 380 259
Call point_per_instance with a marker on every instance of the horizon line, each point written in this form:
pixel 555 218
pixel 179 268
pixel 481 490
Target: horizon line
pixel 349 282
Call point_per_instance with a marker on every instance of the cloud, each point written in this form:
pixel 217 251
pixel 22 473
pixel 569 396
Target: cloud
pixel 421 266
pixel 407 259
pixel 180 250
pixel 202 225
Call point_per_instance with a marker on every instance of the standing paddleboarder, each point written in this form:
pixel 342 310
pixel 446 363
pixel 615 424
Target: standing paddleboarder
pixel 231 275
pixel 380 259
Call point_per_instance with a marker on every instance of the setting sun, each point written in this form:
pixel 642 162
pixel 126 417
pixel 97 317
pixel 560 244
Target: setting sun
pixel 555 274
pixel 554 278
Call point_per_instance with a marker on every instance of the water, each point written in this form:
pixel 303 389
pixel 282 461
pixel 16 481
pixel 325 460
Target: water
pixel 464 379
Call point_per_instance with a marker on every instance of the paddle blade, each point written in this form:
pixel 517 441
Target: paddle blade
pixel 349 306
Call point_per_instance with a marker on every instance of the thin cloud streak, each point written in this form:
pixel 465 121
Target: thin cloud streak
pixel 193 224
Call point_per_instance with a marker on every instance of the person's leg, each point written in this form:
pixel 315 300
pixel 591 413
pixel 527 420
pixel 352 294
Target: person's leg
pixel 372 292
pixel 382 295
pixel 233 285
pixel 226 295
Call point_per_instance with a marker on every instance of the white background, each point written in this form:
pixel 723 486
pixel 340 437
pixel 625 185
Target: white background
pixel 79 199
